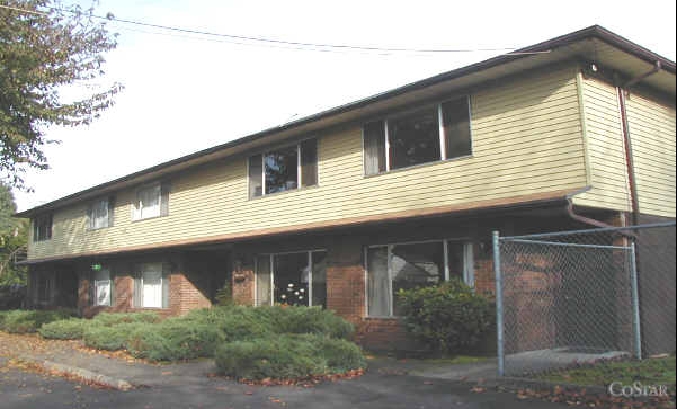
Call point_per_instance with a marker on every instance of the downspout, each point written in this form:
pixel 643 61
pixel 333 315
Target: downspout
pixel 622 90
pixel 588 220
pixel 580 218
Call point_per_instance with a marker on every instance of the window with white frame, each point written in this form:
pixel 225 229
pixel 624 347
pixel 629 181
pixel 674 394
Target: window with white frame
pixel 42 227
pixel 298 278
pixel 100 213
pixel 151 201
pixel 151 286
pixel 282 169
pixel 101 288
pixel 410 138
pixel 408 265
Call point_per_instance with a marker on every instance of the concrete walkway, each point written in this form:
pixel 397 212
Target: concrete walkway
pixel 473 373
pixel 67 356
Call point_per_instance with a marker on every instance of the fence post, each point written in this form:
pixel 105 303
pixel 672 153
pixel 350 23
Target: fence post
pixel 637 328
pixel 499 302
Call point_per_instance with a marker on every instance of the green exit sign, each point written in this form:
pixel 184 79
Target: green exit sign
pixel 96 267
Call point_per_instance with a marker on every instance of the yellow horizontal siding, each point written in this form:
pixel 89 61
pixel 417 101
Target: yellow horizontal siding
pixel 606 154
pixel 652 130
pixel 652 127
pixel 526 140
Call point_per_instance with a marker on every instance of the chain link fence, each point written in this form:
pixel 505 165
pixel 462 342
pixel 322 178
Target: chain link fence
pixel 585 295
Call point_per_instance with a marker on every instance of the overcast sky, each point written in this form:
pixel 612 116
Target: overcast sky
pixel 185 94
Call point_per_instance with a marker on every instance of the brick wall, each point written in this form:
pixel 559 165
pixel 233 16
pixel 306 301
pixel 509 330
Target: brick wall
pixel 345 278
pixel 242 279
pixel 189 288
pixel 185 291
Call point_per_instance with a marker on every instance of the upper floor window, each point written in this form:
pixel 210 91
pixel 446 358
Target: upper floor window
pixel 42 227
pixel 151 201
pixel 425 135
pixel 283 169
pixel 100 213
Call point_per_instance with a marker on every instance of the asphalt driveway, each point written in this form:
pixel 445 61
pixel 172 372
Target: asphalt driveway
pixel 21 390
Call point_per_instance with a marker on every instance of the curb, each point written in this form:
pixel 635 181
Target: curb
pixel 521 383
pixel 81 373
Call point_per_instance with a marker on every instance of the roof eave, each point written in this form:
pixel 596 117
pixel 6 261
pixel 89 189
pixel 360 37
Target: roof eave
pixel 595 31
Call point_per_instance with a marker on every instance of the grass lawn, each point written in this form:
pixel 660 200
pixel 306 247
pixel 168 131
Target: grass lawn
pixel 659 371
pixel 445 360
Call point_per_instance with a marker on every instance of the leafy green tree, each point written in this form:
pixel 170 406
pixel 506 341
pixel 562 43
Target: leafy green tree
pixel 44 48
pixel 13 239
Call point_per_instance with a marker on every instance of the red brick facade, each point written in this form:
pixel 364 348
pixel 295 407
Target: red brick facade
pixel 192 275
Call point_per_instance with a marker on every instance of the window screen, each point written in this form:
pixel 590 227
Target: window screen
pixel 374 148
pixel 309 162
pixel 281 170
pixel 255 176
pixel 414 138
pixel 457 128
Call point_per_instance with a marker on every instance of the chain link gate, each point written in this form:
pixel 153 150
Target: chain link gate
pixel 584 295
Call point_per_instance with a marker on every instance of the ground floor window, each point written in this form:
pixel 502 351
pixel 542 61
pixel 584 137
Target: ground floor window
pixel 101 287
pixel 298 278
pixel 151 286
pixel 408 265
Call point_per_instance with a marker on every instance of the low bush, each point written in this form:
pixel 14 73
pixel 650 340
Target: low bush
pixel 22 321
pixel 283 356
pixel 288 356
pixel 341 355
pixel 449 318
pixel 3 315
pixel 242 323
pixel 236 323
pixel 71 328
pixel 305 320
pixel 111 319
pixel 174 339
pixel 110 338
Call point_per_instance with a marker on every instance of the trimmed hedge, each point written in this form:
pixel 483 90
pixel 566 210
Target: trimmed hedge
pixel 305 320
pixel 288 356
pixel 110 338
pixel 239 322
pixel 174 339
pixel 23 321
pixel 110 319
pixel 71 328
pixel 236 322
pixel 449 317
pixel 276 342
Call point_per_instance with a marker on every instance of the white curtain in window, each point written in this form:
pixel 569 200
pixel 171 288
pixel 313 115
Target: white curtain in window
pixel 102 288
pixel 263 280
pixel 468 264
pixel 152 289
pixel 103 292
pixel 147 202
pixel 378 282
pixel 99 215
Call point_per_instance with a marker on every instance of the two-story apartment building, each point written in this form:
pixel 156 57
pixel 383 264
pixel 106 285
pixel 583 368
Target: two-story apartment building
pixel 343 208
